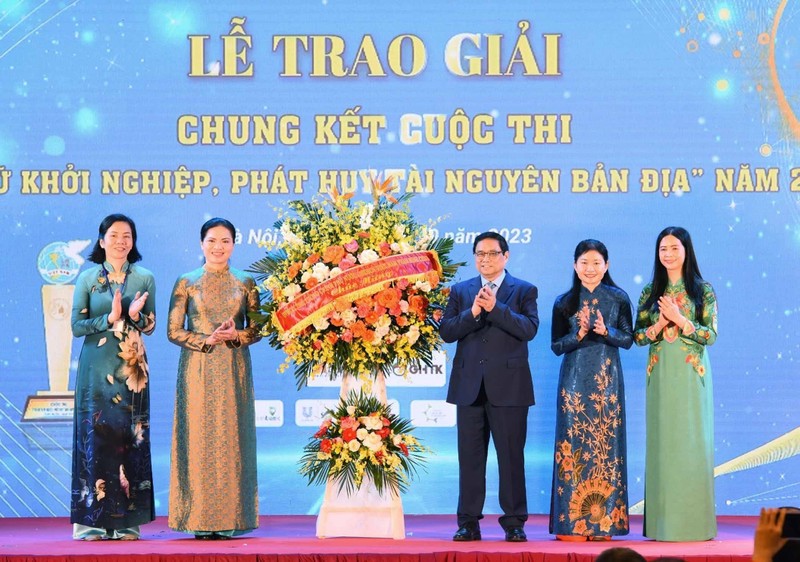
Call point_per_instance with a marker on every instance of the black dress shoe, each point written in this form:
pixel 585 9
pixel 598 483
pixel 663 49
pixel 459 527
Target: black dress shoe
pixel 515 534
pixel 468 532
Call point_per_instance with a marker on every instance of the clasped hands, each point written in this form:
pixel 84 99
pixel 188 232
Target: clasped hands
pixel 225 332
pixel 670 312
pixel 484 300
pixel 599 327
pixel 133 310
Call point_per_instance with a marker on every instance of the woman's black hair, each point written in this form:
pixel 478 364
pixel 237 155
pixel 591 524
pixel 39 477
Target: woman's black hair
pixel 692 279
pixel 216 221
pixel 569 302
pixel 98 254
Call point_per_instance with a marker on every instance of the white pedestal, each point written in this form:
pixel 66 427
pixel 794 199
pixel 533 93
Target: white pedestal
pixel 365 512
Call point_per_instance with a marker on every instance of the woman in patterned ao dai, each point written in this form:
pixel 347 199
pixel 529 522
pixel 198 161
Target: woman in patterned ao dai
pixel 113 305
pixel 213 482
pixel 591 322
pixel 677 318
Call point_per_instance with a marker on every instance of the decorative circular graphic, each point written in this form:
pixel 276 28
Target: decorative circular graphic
pixel 780 95
pixel 56 265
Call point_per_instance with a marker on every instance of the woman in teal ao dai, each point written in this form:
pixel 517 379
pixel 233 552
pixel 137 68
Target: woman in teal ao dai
pixel 591 322
pixel 213 480
pixel 113 306
pixel 677 318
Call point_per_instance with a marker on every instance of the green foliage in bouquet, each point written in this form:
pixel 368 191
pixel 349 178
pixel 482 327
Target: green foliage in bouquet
pixel 359 440
pixel 386 328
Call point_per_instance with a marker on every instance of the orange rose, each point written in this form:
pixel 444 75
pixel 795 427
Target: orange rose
pixel 373 316
pixel 388 297
pixel 401 321
pixel 369 336
pixel 294 269
pixel 333 254
pixel 418 304
pixel 433 278
pixel 331 338
pixel 312 259
pixel 358 328
pixel 384 249
pixel 312 281
pixel 363 234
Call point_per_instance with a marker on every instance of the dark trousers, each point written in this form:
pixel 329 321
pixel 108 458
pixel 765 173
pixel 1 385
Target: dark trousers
pixel 508 427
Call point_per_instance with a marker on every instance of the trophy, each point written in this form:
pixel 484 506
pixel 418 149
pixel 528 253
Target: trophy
pixel 59 263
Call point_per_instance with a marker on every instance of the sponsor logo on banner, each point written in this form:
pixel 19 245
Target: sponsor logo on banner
pixel 422 374
pixel 310 413
pixel 433 413
pixel 418 375
pixel 269 413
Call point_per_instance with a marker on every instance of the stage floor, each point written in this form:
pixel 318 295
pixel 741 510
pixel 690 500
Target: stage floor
pixel 287 538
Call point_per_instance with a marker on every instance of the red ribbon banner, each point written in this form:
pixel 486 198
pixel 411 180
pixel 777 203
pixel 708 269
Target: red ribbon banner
pixel 352 284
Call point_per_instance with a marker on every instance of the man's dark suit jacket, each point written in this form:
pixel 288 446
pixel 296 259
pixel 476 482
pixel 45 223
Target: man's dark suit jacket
pixel 494 348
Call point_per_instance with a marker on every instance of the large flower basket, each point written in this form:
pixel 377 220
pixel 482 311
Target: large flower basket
pixel 355 292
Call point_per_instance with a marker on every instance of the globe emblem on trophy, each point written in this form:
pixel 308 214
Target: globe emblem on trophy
pixel 59 264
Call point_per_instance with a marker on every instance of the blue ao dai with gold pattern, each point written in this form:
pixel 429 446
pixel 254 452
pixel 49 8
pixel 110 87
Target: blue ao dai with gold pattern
pixel 590 489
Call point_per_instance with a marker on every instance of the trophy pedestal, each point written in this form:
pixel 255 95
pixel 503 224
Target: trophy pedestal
pixel 57 403
pixel 49 406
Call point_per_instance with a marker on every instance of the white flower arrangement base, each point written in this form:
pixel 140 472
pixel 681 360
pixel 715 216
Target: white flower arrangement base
pixel 366 512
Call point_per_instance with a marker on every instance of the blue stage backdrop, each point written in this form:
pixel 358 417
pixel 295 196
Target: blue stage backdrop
pixel 545 120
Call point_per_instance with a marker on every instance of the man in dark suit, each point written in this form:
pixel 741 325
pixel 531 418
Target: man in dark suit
pixel 493 317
